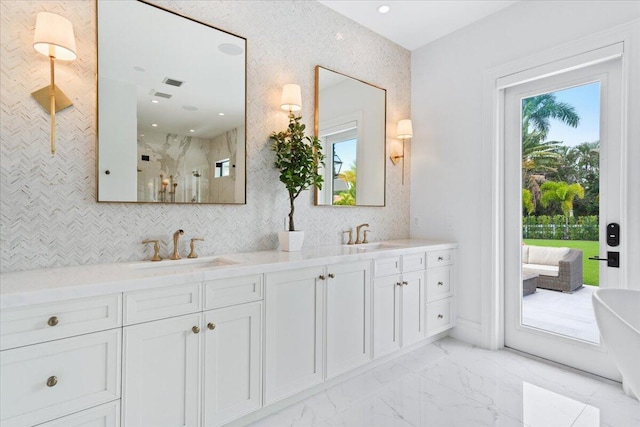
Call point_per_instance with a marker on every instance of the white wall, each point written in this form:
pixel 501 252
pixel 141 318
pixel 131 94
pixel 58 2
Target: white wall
pixel 48 213
pixel 451 163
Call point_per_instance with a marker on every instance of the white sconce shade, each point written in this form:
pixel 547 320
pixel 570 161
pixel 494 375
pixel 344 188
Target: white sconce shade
pixel 54 37
pixel 405 130
pixel 291 98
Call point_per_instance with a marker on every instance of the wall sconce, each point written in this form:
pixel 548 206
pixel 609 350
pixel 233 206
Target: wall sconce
pixel 54 38
pixel 404 131
pixel 291 99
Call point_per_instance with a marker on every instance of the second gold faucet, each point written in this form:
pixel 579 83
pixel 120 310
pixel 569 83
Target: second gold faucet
pixel 176 245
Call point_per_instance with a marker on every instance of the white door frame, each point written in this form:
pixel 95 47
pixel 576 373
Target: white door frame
pixel 495 80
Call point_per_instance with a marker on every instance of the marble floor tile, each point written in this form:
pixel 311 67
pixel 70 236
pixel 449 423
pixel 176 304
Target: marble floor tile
pixel 449 383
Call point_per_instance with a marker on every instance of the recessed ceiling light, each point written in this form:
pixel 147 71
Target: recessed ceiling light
pixel 138 68
pixel 155 101
pixel 384 8
pixel 155 125
pixel 192 130
pixel 221 114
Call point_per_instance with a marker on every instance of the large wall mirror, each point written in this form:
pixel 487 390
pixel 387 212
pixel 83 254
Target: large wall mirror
pixel 171 108
pixel 351 124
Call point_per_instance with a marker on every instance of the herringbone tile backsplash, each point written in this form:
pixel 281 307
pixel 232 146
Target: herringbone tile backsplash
pixel 49 216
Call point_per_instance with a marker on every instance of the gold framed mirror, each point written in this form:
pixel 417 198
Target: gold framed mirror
pixel 350 122
pixel 171 107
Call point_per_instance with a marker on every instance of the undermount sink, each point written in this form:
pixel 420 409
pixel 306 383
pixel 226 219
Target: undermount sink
pixel 182 264
pixel 378 246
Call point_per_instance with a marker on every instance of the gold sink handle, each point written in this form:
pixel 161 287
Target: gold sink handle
pixel 156 249
pixel 193 253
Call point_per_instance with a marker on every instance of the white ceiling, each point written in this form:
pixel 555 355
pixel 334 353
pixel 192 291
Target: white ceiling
pixel 414 23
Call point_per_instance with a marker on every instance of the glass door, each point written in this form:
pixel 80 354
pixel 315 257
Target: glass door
pixel 562 187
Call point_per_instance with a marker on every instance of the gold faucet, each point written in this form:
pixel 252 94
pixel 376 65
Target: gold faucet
pixel 176 245
pixel 193 253
pixel 156 249
pixel 358 241
pixel 350 231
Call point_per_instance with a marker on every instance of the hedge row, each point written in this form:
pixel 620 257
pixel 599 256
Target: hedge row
pixel 553 227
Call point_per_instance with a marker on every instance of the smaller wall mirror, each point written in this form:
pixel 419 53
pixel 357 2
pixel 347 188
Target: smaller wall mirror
pixel 171 107
pixel 350 122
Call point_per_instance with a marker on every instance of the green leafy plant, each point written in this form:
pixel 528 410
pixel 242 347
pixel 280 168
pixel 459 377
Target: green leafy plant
pixel 297 158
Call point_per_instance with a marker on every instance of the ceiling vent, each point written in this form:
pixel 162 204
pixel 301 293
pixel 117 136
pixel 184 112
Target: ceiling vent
pixel 172 82
pixel 161 94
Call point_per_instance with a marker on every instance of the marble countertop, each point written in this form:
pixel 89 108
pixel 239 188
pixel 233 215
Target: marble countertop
pixel 55 284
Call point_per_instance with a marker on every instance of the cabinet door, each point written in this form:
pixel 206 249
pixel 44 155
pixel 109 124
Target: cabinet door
pixel 386 315
pixel 348 316
pixel 413 299
pixel 232 340
pixel 294 332
pixel 161 373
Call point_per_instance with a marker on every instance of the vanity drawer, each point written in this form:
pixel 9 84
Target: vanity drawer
pixel 439 316
pixel 154 304
pixel 438 258
pixel 439 283
pixel 413 262
pixel 236 290
pixel 46 322
pixel 386 266
pixel 107 415
pixel 46 381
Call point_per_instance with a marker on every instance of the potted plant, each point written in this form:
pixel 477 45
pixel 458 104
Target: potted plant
pixel 297 158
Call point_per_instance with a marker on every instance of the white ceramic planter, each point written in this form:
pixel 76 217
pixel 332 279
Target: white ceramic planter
pixel 291 241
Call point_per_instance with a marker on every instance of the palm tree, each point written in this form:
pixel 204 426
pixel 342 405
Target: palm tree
pixel 538 155
pixel 538 110
pixel 564 194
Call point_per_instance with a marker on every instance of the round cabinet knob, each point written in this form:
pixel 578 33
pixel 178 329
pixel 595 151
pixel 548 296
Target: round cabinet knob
pixel 321 277
pixel 196 329
pixel 53 321
pixel 107 172
pixel 399 284
pixel 51 381
pixel 440 283
pixel 440 316
pixel 211 325
pixel 331 275
pixel 405 283
pixel 440 258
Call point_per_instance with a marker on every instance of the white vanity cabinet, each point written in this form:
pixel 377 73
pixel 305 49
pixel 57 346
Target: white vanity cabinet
pixel 294 303
pixel 71 363
pixel 440 308
pixel 348 322
pixel 161 372
pixel 398 302
pixel 197 369
pixel 210 347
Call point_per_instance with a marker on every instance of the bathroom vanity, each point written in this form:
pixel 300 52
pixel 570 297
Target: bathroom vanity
pixel 210 341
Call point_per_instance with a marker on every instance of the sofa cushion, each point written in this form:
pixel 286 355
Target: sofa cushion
pixel 540 269
pixel 525 254
pixel 546 256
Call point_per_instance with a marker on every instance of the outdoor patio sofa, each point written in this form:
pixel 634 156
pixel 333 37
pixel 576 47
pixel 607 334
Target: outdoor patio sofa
pixel 559 269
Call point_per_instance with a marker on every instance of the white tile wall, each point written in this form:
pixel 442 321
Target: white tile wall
pixel 48 213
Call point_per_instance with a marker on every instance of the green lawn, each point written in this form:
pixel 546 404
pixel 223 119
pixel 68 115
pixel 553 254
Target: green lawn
pixel 590 269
